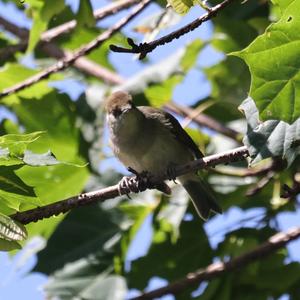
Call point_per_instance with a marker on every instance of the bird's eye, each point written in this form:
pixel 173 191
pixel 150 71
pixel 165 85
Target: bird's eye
pixel 116 112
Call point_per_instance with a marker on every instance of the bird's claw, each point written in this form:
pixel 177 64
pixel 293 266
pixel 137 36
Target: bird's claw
pixel 138 183
pixel 171 173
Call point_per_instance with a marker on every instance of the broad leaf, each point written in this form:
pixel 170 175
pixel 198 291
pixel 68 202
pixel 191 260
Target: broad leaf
pixel 271 138
pixel 85 14
pixel 6 245
pixel 225 87
pixel 13 147
pixel 12 74
pixel 44 159
pixel 42 12
pixel 275 83
pixel 181 6
pixel 14 191
pixel 283 4
pixel 10 232
pixel 71 283
pixel 190 252
pixel 85 232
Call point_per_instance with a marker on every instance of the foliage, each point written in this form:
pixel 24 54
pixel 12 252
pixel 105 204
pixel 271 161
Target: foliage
pixel 53 145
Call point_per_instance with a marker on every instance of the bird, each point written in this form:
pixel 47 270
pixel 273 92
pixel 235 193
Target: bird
pixel 148 139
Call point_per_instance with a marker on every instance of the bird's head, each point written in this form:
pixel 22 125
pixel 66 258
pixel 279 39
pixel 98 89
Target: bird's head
pixel 119 103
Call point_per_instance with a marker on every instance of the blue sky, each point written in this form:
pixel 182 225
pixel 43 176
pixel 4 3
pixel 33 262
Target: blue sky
pixel 15 281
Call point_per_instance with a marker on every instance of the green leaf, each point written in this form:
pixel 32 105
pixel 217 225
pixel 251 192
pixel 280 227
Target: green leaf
pixel 85 14
pixel 105 288
pixel 232 35
pixel 271 138
pixel 191 54
pixel 275 89
pixel 247 11
pixel 186 256
pixel 225 87
pixel 6 245
pixel 14 145
pixel 58 181
pixel 85 232
pixel 284 276
pixel 13 73
pixel 42 12
pixel 83 35
pixel 13 191
pixel 11 232
pixel 283 4
pixel 61 134
pixel 136 211
pixel 181 6
pixel 161 93
pixel 237 243
pixel 44 159
pixel 152 25
pixel 89 287
pixel 173 211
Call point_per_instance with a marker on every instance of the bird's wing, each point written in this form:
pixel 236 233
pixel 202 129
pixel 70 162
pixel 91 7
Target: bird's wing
pixel 173 126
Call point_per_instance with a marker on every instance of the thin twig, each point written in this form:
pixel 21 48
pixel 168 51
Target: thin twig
pixel 99 14
pixel 63 206
pixel 83 64
pixel 204 120
pixel 274 165
pixel 144 48
pixel 259 185
pixel 84 50
pixel 214 270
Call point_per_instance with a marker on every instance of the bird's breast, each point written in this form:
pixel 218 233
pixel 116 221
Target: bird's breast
pixel 151 149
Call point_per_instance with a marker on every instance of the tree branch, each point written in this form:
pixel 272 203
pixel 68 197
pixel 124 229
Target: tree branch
pixel 214 270
pixel 274 165
pixel 204 120
pixel 99 14
pixel 63 206
pixel 82 63
pixel 84 50
pixel 144 48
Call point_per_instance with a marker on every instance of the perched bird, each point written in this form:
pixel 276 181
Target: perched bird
pixel 148 139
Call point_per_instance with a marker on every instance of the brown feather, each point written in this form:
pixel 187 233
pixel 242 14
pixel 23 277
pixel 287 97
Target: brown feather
pixel 171 123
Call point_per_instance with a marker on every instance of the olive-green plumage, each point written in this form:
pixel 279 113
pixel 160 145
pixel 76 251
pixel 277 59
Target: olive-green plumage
pixel 149 139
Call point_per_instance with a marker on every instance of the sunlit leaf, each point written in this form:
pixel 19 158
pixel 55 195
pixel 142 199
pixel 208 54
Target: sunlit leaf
pixel 181 6
pixel 42 12
pixel 85 14
pixel 275 89
pixel 10 232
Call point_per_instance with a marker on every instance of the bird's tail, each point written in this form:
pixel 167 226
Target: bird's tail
pixel 201 195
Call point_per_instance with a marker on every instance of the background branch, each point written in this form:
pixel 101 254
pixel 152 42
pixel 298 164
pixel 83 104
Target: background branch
pixel 99 14
pixel 214 270
pixel 63 206
pixel 144 48
pixel 83 64
pixel 84 50
pixel 204 120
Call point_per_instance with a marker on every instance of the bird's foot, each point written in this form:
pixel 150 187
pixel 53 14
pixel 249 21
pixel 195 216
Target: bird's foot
pixel 135 184
pixel 171 172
